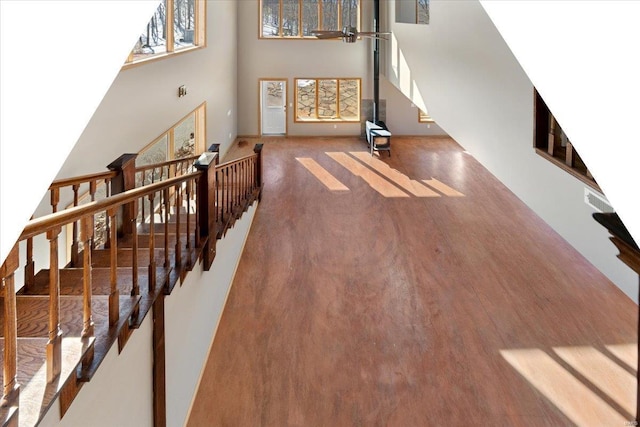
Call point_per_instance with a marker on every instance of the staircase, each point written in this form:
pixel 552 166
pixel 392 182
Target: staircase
pixel 128 251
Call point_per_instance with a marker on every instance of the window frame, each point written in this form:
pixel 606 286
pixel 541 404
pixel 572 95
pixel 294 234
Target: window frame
pixel 545 144
pixel 280 35
pixel 327 120
pixel 199 35
pixel 424 117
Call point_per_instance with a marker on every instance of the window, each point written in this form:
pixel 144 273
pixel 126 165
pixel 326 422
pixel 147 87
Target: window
pixel 184 139
pixel 552 143
pixel 319 100
pixel 298 18
pixel 175 26
pixel 422 11
pixel 424 117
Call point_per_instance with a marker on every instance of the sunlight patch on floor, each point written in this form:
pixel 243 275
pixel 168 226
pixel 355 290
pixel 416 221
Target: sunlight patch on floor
pixel 442 187
pixel 412 186
pixel 376 182
pixel 627 353
pixel 329 181
pixel 602 372
pixel 569 394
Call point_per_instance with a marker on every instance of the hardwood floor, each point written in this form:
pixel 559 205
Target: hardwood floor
pixel 364 307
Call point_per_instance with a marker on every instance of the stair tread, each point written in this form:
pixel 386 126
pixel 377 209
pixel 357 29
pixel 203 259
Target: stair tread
pixel 33 314
pixel 36 395
pixel 71 281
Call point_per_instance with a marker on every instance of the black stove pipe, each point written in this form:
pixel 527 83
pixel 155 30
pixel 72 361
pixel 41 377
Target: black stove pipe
pixel 376 60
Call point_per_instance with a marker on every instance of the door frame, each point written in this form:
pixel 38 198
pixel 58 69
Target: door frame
pixel 286 102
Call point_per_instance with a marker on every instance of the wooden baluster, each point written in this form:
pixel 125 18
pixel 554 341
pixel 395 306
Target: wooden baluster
pixel 93 185
pixel 114 297
pixel 219 195
pixel 144 178
pixel 55 199
pixel 551 141
pixel 188 216
pixel 107 219
pixel 75 243
pixel 206 208
pixel 29 268
pixel 11 388
pixel 152 247
pixel 135 289
pixel 86 230
pixel 570 155
pixel 54 345
pixel 167 208
pixel 196 187
pixel 258 150
pixel 178 204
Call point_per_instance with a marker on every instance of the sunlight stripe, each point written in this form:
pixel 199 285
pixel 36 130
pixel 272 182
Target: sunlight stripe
pixel 603 372
pixel 412 186
pixel 566 392
pixel 376 182
pixel 442 187
pixel 627 353
pixel 331 182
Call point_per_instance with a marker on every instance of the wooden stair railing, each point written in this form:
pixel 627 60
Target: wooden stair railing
pixel 70 317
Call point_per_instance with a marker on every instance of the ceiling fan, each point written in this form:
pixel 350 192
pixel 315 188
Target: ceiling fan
pixel 349 33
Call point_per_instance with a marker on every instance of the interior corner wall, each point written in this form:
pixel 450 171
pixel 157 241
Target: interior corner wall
pixel 402 114
pixel 142 102
pixel 477 92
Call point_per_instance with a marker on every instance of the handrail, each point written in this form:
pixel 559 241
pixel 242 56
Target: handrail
pixel 65 182
pixel 42 224
pixel 238 160
pixel 199 206
pixel 167 163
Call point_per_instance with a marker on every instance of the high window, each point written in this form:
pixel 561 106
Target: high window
pixel 298 18
pixel 319 100
pixel 175 26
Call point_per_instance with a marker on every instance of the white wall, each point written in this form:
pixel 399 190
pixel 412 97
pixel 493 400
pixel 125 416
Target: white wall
pixel 142 102
pixel 263 58
pixel 477 92
pixel 121 391
pixel 402 113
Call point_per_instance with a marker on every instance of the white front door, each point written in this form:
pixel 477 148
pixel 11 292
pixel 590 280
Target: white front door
pixel 273 107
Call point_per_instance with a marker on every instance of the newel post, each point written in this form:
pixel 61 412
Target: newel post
pixel 207 205
pixel 11 388
pixel 258 150
pixel 125 165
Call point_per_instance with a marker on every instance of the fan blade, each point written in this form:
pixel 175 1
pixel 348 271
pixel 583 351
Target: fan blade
pixel 370 33
pixel 328 34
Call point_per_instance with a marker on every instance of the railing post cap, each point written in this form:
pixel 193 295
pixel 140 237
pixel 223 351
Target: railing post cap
pixel 215 148
pixel 205 160
pixel 122 161
pixel 257 148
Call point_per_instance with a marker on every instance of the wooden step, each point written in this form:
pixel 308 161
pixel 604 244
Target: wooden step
pixel 71 283
pixel 33 314
pixel 36 395
pixel 101 258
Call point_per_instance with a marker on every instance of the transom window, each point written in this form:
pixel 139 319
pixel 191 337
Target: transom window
pixel 298 18
pixel 320 100
pixel 175 26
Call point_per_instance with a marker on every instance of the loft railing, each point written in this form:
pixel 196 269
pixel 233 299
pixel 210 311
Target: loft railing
pixel 195 199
